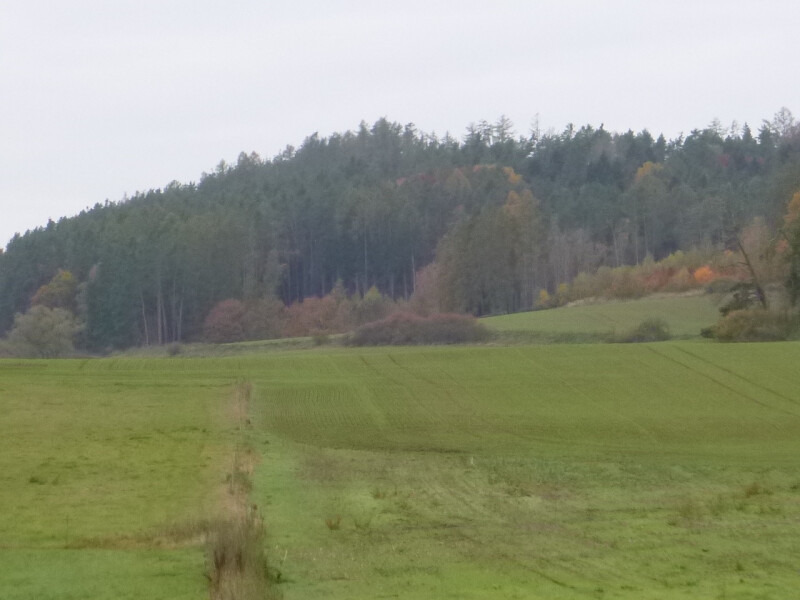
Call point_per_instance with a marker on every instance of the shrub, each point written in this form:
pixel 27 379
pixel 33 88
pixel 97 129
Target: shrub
pixel 263 319
pixel 756 325
pixel 681 281
pixel 408 329
pixel 658 279
pixel 678 272
pixel 225 322
pixel 704 275
pixel 544 300
pixel 625 284
pixel 43 333
pixel 649 330
pixel 234 321
pixel 312 315
pixel 372 307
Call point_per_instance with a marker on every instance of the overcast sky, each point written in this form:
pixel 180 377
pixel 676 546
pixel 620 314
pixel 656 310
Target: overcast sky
pixel 101 98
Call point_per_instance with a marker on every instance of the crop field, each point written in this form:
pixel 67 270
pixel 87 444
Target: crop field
pixel 666 470
pixel 686 315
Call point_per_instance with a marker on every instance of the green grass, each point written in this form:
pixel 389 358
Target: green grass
pixel 97 458
pixel 28 574
pixel 667 470
pixel 685 315
pixel 650 471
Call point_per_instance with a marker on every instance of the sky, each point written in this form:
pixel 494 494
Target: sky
pixel 103 98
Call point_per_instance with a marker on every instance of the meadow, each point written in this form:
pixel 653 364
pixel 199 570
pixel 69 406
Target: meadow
pixel 685 315
pixel 667 470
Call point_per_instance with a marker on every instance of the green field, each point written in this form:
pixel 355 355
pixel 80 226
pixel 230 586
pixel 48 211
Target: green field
pixel 686 315
pixel 665 470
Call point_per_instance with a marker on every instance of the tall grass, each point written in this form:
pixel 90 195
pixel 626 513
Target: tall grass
pixel 236 560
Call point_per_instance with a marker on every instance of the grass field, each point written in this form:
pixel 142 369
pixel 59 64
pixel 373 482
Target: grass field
pixel 665 470
pixel 686 315
pixel 98 459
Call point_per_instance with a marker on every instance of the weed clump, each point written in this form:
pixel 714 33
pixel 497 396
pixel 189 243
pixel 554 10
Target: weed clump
pixel 649 330
pixel 756 489
pixel 239 482
pixel 334 523
pixel 236 563
pixel 754 325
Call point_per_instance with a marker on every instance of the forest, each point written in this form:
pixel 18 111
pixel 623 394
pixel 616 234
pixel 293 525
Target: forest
pixel 491 221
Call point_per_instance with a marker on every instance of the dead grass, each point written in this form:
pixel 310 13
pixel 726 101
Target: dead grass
pixel 334 523
pixel 236 560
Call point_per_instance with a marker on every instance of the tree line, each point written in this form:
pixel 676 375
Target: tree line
pixel 490 220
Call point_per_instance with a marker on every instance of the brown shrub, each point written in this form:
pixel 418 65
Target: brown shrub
pixel 234 321
pixel 263 319
pixel 224 322
pixel 312 316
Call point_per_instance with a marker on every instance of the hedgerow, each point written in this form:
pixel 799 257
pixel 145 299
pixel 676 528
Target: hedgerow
pixel 405 328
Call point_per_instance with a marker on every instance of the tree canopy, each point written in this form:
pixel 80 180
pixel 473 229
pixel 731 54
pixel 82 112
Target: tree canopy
pixel 503 215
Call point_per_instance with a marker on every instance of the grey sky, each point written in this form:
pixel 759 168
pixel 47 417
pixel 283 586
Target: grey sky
pixel 101 98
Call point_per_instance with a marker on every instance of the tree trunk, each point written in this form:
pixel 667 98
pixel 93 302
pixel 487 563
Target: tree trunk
pixel 762 297
pixel 144 320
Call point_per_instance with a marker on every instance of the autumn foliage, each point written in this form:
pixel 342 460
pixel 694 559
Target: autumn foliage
pixel 235 321
pixel 679 272
pixel 704 274
pixel 225 322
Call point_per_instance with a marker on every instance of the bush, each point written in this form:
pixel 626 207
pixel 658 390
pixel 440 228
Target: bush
pixel 313 315
pixel 43 333
pixel 409 329
pixel 649 330
pixel 681 281
pixel 625 284
pixel 756 325
pixel 372 307
pixel 704 275
pixel 678 272
pixel 263 319
pixel 225 322
pixel 234 321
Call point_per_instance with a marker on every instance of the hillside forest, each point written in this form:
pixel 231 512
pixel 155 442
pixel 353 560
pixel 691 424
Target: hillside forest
pixel 335 231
